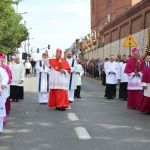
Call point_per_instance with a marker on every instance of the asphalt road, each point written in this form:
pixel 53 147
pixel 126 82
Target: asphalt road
pixel 92 123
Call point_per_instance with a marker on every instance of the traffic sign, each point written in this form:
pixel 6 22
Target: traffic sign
pixel 130 42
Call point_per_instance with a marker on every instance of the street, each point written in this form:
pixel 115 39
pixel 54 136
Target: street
pixel 91 123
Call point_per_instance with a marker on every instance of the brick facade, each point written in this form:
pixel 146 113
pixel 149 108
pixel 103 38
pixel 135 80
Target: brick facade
pixel 100 9
pixel 135 21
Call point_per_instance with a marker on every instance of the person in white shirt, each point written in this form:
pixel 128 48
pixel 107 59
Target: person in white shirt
pixel 28 68
pixel 122 78
pixel 79 75
pixel 72 80
pixel 16 87
pixel 111 78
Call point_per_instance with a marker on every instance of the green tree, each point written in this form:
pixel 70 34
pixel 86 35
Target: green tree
pixel 12 32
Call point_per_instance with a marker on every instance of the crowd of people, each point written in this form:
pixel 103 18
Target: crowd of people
pixel 130 73
pixel 59 80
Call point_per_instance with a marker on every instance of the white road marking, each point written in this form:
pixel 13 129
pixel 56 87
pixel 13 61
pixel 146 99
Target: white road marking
pixel 72 117
pixel 82 133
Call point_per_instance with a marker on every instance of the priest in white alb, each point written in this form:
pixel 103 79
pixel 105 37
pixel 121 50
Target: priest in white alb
pixel 72 77
pixel 43 78
pixel 111 78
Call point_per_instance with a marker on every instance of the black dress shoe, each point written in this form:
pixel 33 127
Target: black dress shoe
pixel 43 103
pixel 79 97
pixel 109 97
pixel 70 102
pixel 61 109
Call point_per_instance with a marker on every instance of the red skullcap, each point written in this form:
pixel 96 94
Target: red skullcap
pixel 59 50
pixel 135 51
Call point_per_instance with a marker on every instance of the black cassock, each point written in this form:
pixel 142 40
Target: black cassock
pixel 16 92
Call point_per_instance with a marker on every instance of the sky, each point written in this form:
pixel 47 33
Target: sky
pixel 55 22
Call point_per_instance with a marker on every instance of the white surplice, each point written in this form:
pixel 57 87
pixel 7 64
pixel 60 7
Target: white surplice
pixel 121 74
pixel 147 90
pixel 59 81
pixel 111 78
pixel 3 95
pixel 43 79
pixel 79 76
pixel 72 78
pixel 134 82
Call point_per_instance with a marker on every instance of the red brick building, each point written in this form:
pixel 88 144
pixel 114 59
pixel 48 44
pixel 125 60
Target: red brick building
pixel 104 11
pixel 126 17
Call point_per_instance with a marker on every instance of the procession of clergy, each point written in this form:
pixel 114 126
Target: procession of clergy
pixel 59 81
pixel 133 76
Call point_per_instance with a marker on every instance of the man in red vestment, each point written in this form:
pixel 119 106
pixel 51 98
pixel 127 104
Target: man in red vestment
pixel 134 69
pixel 59 79
pixel 145 107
